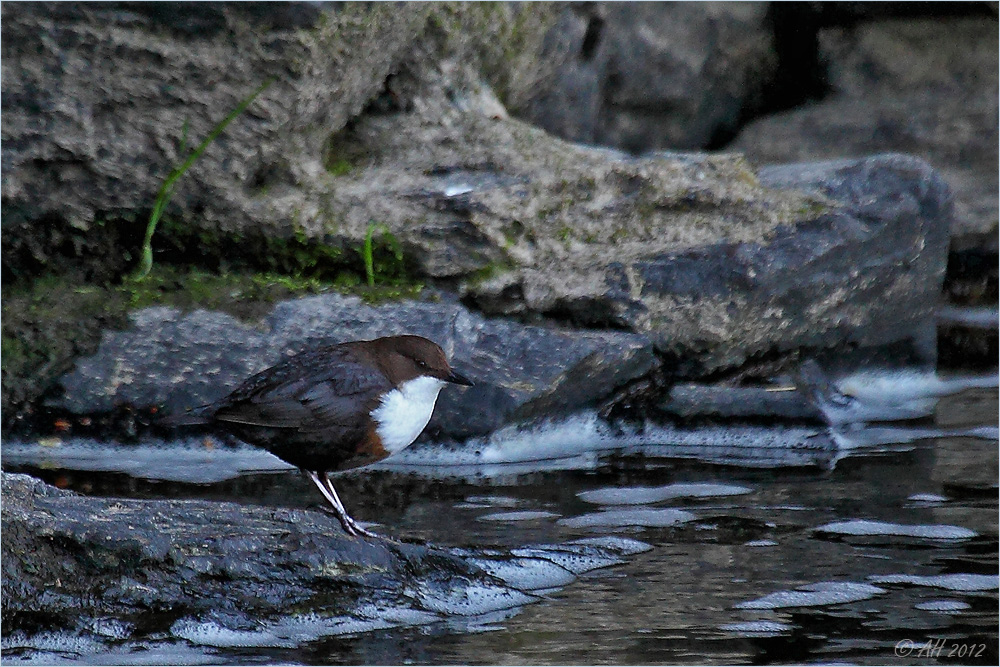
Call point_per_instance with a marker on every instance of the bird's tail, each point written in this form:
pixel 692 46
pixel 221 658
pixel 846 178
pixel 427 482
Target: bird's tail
pixel 192 417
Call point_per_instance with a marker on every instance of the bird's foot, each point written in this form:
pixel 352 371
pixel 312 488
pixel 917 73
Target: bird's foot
pixel 352 527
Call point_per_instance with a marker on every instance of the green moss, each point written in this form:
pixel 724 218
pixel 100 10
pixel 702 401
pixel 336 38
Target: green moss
pixel 488 272
pixel 339 167
pixel 812 209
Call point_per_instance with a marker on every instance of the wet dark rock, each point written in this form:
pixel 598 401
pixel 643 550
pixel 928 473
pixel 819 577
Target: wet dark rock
pixel 926 87
pixel 66 555
pixel 968 338
pixel 114 569
pixel 644 76
pixel 699 401
pixel 184 360
pixel 864 268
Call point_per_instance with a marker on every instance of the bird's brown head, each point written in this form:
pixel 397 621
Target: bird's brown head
pixel 407 357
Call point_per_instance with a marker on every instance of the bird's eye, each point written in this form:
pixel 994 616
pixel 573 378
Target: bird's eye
pixel 422 364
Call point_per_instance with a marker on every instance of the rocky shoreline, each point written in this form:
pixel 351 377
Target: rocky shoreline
pixel 394 178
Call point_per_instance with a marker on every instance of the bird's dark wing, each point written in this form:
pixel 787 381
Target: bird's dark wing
pixel 309 393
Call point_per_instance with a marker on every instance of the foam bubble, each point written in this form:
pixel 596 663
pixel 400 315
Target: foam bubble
pixel 943 606
pixel 815 595
pixel 470 600
pixel 760 543
pixel 577 442
pixel 183 460
pixel 56 642
pixel 640 495
pixel 527 515
pixel 951 582
pixel 527 574
pixel 211 633
pixel 577 560
pixel 623 546
pixel 863 527
pixel 649 518
pixel 757 628
pixel 929 498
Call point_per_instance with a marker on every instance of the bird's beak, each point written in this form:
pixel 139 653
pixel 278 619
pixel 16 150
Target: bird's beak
pixel 457 378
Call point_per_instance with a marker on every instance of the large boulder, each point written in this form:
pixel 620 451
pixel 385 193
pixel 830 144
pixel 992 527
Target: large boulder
pixel 102 100
pixel 179 361
pixel 927 87
pixel 860 263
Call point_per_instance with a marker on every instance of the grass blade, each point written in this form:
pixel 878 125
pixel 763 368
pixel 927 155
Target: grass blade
pixel 167 189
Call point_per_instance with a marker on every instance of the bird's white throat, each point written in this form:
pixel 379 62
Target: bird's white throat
pixel 404 412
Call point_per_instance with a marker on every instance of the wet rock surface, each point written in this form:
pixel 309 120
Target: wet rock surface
pixel 180 360
pixel 67 554
pixel 199 567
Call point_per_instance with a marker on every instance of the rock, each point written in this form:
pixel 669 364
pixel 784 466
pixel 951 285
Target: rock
pixel 925 87
pixel 184 360
pixel 61 548
pixel 862 263
pixel 656 75
pixel 116 573
pixel 702 401
pixel 100 101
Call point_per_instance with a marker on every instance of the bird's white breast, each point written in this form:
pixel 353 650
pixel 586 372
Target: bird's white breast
pixel 404 412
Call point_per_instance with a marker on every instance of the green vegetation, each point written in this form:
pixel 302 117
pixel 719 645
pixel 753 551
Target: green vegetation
pixel 491 270
pixel 340 167
pixel 387 263
pixel 167 189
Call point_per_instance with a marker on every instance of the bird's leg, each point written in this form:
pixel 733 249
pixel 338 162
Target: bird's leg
pixel 354 525
pixel 351 526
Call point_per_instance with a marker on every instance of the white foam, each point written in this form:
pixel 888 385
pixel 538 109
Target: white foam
pixel 641 495
pixel 649 518
pixel 815 595
pixel 186 460
pixel 291 631
pixel 623 546
pixel 943 606
pixel 928 498
pixel 893 395
pixel 527 574
pixel 470 600
pixel 757 628
pixel 56 642
pixel 211 633
pixel 111 628
pixel 863 527
pixel 898 387
pixel 760 543
pixel 578 442
pixel 527 515
pixel 130 653
pixel 951 582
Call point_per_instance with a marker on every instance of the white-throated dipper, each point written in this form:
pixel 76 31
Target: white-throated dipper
pixel 337 407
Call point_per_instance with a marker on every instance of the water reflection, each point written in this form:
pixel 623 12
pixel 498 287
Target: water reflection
pixel 838 559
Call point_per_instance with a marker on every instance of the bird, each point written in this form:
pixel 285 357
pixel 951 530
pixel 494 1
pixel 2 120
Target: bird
pixel 335 407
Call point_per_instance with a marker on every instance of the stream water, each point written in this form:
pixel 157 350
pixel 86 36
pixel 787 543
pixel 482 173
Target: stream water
pixel 883 552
